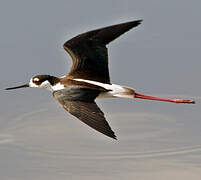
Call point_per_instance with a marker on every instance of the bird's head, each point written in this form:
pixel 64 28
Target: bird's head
pixel 39 81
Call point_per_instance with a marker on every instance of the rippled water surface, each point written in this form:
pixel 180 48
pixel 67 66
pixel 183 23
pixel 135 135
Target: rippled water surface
pixel 47 143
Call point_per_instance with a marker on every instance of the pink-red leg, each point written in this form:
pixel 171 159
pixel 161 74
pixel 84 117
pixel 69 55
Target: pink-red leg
pixel 143 96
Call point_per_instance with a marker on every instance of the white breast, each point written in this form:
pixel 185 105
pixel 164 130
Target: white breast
pixel 57 87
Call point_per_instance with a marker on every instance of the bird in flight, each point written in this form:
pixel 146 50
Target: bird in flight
pixel 89 78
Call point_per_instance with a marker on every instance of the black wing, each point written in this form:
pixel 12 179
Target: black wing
pixel 89 52
pixel 80 103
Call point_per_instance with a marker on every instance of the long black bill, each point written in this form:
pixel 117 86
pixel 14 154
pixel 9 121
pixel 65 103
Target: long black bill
pixel 23 86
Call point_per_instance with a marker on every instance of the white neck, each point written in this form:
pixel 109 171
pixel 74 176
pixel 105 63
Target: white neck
pixel 47 85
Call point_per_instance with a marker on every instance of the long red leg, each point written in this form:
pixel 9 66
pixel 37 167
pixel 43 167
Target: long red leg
pixel 143 96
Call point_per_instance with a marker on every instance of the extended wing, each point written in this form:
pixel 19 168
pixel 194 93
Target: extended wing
pixel 89 52
pixel 80 103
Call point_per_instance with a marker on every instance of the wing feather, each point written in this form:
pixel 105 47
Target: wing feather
pixel 80 103
pixel 89 52
pixel 90 114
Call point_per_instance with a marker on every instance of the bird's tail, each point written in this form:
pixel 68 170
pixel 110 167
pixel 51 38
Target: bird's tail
pixel 127 92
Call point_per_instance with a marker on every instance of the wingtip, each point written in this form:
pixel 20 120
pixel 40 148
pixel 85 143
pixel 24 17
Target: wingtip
pixel 113 136
pixel 132 24
pixel 138 21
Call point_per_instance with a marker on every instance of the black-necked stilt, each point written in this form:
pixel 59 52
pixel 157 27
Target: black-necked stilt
pixel 89 78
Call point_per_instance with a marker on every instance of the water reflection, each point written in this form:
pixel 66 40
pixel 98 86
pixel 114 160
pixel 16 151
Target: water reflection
pixel 48 143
